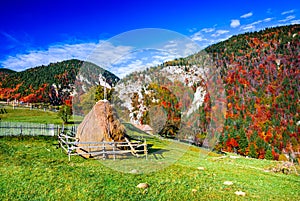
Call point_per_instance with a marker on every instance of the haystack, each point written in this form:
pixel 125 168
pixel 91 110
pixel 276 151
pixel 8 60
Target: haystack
pixel 100 125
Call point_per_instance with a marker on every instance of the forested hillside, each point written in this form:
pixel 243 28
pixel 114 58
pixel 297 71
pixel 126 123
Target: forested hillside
pixel 261 72
pixel 4 73
pixel 52 84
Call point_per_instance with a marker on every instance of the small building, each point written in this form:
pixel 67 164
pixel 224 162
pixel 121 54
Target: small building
pixel 146 128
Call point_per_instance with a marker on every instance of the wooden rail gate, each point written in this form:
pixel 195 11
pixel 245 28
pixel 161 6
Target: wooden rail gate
pixel 103 150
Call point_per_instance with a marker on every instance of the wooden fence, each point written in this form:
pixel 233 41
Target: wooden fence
pixel 72 146
pixel 25 128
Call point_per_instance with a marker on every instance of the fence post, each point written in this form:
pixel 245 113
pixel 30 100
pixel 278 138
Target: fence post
pixel 58 130
pixel 69 154
pixel 114 150
pixel 145 149
pixel 58 139
pixel 103 149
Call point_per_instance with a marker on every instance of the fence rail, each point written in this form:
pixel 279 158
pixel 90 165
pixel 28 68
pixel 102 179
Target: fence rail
pixel 25 128
pixel 100 149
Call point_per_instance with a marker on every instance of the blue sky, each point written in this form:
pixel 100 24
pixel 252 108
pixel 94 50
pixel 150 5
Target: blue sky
pixel 35 32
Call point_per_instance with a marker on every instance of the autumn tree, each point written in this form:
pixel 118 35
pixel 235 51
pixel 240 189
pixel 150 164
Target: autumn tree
pixel 65 113
pixel 102 93
pixel 269 155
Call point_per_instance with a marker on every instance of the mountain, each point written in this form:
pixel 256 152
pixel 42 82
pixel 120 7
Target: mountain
pixel 260 73
pixel 251 79
pixel 53 83
pixel 163 97
pixel 6 71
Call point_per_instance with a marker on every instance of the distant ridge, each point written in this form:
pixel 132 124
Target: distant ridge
pixel 6 71
pixel 52 83
pixel 261 77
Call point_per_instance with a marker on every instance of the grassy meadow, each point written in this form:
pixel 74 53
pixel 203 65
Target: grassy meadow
pixel 22 114
pixel 33 168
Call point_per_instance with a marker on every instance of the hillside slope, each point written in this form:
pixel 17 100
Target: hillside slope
pixel 53 83
pixel 261 74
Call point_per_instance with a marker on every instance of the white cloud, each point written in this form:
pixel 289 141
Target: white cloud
pixel 207 30
pixel 162 57
pixel 287 12
pixel 191 30
pixel 252 26
pixel 267 19
pixel 219 32
pixel 134 65
pixel 198 37
pixel 247 15
pixel 288 18
pixel 235 23
pixel 44 57
pixel 248 27
pixel 295 21
pixel 225 38
pixel 191 48
pixel 106 54
pixel 256 22
pixel 181 47
pixel 102 54
pixel 119 59
pixel 171 44
pixel 141 59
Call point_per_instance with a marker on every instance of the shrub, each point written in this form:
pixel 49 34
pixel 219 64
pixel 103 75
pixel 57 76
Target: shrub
pixel 252 152
pixel 282 157
pixel 65 113
pixel 269 155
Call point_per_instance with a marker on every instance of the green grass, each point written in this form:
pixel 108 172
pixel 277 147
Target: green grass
pixel 26 115
pixel 32 168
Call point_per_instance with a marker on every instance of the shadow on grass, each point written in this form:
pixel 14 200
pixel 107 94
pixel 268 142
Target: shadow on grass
pixel 157 153
pixel 132 128
pixel 71 122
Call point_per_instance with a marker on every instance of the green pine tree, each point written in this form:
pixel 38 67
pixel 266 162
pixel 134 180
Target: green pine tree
pixel 269 155
pixel 243 141
pixel 65 113
pixel 252 152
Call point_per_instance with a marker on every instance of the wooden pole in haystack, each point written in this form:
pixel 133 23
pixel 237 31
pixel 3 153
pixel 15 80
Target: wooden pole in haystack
pixel 105 89
pixel 145 149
